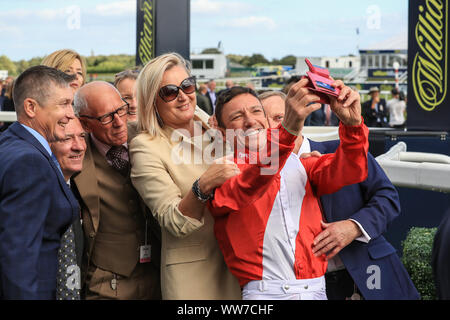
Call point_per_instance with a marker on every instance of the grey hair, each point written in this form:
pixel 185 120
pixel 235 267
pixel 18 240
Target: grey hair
pixel 79 103
pixel 127 74
pixel 272 93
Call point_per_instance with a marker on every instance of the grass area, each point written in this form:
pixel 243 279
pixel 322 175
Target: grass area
pixel 109 77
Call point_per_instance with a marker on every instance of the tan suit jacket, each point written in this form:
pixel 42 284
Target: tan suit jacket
pixel 192 265
pixel 114 226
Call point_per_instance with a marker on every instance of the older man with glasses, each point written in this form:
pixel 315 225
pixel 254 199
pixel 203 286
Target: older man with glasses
pixel 121 260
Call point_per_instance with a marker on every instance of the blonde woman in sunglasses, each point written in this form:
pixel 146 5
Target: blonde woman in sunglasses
pixel 192 265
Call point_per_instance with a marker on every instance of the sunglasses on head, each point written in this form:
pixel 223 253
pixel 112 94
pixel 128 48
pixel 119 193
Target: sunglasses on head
pixel 170 92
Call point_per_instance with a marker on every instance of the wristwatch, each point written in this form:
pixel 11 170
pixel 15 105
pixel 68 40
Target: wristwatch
pixel 199 194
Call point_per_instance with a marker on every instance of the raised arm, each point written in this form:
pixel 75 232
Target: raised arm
pixel 255 179
pixel 348 164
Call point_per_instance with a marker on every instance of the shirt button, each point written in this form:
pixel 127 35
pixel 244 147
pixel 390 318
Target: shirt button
pixel 286 287
pixel 306 287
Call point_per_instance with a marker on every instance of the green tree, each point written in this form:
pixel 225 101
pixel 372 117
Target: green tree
pixel 22 65
pixel 107 67
pixel 235 58
pixel 211 51
pixel 254 60
pixel 7 64
pixel 289 60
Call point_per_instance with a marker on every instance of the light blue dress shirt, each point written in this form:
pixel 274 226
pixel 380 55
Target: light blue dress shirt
pixel 44 143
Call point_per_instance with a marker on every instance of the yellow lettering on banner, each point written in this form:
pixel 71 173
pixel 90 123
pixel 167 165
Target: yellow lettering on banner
pixel 145 48
pixel 429 70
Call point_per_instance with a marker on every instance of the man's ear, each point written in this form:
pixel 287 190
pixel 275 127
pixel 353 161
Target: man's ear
pixel 29 107
pixel 84 125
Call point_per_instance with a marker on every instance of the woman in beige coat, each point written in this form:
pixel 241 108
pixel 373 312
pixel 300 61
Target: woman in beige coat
pixel 174 178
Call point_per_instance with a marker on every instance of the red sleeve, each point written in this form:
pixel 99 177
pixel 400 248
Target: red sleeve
pixel 254 179
pixel 348 165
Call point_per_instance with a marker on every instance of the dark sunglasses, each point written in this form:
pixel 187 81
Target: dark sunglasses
pixel 170 92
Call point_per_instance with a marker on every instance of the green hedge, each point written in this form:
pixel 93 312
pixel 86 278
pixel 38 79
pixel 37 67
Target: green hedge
pixel 417 260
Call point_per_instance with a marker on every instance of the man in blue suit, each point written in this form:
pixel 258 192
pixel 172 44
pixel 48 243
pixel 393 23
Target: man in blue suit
pixel 361 261
pixel 36 205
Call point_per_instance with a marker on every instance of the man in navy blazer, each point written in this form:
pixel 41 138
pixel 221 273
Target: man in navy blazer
pixel 36 205
pixel 356 217
pixel 375 267
pixel 440 258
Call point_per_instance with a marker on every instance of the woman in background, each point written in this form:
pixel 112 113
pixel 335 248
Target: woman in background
pixel 70 62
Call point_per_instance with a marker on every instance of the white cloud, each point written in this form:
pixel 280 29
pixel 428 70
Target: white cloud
pixel 116 8
pixel 213 7
pixel 251 22
pixel 11 31
pixel 51 14
pixel 43 14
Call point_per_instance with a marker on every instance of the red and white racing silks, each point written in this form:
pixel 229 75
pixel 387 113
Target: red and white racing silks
pixel 265 224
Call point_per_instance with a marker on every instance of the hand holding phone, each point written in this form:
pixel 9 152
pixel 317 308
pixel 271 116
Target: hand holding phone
pixel 320 83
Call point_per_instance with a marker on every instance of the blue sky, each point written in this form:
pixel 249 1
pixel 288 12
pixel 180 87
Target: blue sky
pixel 274 28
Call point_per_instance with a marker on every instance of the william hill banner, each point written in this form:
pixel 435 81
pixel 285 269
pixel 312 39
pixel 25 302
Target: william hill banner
pixel 145 31
pixel 162 26
pixel 428 96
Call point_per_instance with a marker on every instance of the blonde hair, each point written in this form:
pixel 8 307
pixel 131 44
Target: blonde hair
pixel 62 59
pixel 147 88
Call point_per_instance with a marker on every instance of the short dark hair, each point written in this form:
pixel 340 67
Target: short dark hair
pixel 395 92
pixel 226 96
pixel 36 83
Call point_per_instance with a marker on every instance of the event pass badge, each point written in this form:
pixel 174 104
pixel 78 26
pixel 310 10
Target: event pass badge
pixel 145 253
pixel 320 83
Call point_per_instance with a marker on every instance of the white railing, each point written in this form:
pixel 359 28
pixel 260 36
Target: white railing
pixel 7 116
pixel 403 78
pixel 321 133
pixel 418 170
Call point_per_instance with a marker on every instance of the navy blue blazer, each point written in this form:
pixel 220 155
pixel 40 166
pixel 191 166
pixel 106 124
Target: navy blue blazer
pixel 36 207
pixel 374 203
pixel 440 258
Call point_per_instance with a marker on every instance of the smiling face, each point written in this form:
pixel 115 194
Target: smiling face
pixel 76 69
pixel 178 113
pixel 70 151
pixel 244 114
pixel 51 118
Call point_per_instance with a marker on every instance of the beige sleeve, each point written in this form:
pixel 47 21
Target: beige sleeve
pixel 159 192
